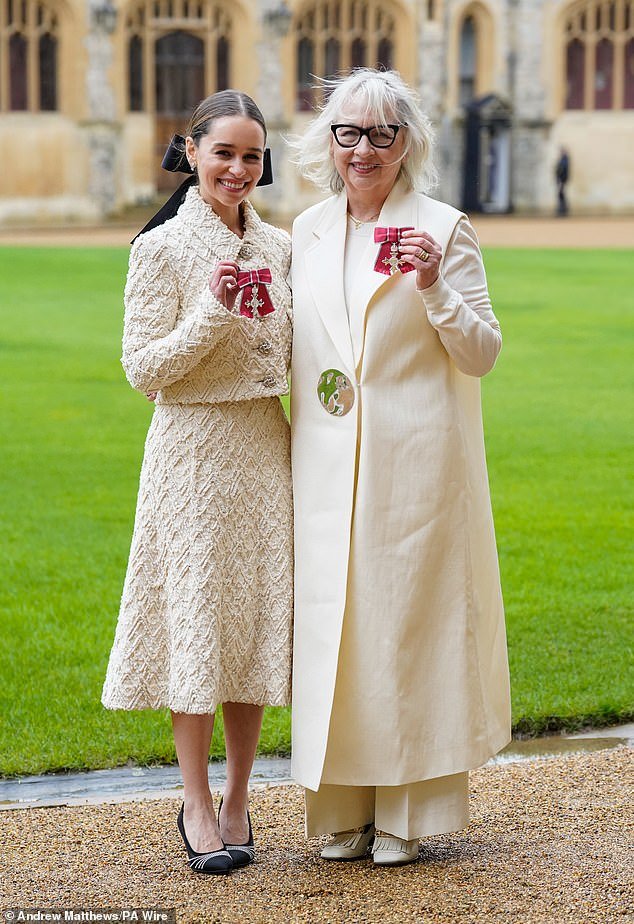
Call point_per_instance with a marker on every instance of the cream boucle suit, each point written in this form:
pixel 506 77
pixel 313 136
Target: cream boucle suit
pixel 206 609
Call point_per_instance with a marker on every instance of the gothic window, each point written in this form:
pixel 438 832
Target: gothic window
pixel 28 45
pixel 357 53
pixel 18 45
pixel 335 35
pixel 575 75
pixel 135 66
pixel 222 63
pixel 468 62
pixel 628 93
pixel 305 67
pixel 385 55
pixel 604 60
pixel 599 37
pixel 333 57
pixel 178 52
pixel 48 70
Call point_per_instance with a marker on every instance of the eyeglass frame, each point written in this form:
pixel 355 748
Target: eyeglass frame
pixel 365 132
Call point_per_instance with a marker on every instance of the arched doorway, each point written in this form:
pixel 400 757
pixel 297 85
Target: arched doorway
pixel 487 160
pixel 180 85
pixel 178 51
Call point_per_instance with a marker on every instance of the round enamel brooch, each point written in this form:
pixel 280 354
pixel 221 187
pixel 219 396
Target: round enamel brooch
pixel 335 392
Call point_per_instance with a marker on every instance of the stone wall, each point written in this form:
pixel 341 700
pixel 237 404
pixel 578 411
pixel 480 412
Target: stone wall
pixel 93 157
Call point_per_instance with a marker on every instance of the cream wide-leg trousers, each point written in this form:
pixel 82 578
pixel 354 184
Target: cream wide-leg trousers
pixel 414 810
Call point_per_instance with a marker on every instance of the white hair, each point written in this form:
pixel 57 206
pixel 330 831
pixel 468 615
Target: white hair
pixel 387 99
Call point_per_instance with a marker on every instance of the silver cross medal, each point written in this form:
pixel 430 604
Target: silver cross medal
pixel 394 260
pixel 255 303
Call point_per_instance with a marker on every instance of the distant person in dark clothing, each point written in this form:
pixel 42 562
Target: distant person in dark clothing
pixel 562 174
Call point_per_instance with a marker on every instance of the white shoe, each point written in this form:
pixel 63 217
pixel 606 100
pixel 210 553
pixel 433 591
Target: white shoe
pixel 393 851
pixel 349 845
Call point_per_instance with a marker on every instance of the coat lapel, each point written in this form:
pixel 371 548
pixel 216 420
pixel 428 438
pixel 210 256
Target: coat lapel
pixel 400 209
pixel 324 266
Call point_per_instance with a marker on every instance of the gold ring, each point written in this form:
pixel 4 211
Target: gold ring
pixel 422 254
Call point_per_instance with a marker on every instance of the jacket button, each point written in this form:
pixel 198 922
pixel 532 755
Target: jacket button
pixel 265 347
pixel 269 381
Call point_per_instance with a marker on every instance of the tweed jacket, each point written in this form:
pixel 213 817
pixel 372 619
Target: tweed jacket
pixel 178 338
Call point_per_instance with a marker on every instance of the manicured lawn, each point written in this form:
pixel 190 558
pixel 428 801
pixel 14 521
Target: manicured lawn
pixel 559 436
pixel 560 427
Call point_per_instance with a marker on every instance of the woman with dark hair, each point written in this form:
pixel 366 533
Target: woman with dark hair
pixel 206 609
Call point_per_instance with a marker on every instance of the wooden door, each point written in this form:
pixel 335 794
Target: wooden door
pixel 180 86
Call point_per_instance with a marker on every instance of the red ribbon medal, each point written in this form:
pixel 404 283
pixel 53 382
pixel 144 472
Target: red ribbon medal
pixel 254 296
pixel 389 260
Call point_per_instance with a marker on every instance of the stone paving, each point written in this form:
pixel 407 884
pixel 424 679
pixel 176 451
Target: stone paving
pixel 549 841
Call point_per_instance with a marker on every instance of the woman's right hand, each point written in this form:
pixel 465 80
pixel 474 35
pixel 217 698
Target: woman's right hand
pixel 224 283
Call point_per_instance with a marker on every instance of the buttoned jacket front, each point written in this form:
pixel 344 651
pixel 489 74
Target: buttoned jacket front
pixel 178 338
pixel 392 509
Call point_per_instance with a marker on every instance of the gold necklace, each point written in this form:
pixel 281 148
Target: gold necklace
pixel 357 223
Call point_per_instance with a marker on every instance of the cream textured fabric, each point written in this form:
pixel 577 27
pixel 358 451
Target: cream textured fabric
pixel 400 664
pixel 180 339
pixel 206 609
pixel 420 809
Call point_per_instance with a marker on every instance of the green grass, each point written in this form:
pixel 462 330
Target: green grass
pixel 560 433
pixel 559 439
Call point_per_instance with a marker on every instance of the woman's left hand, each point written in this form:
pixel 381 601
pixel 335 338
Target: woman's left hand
pixel 423 252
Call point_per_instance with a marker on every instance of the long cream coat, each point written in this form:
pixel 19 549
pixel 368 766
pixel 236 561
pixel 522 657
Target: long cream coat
pixel 392 512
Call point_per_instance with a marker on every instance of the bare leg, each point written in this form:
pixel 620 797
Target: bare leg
pixel 243 722
pixel 192 737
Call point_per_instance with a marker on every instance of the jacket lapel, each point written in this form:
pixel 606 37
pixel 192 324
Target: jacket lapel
pixel 400 209
pixel 324 267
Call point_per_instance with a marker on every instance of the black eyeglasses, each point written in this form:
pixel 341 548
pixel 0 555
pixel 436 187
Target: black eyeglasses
pixel 379 136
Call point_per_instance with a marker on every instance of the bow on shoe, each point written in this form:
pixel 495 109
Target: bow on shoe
pixel 389 260
pixel 256 302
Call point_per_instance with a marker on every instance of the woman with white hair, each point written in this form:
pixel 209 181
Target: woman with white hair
pixel 400 666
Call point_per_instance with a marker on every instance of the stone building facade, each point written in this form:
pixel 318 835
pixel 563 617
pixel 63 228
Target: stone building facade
pixel 91 91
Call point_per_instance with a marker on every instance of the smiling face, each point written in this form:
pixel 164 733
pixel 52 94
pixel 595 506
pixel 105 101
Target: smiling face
pixel 367 172
pixel 229 161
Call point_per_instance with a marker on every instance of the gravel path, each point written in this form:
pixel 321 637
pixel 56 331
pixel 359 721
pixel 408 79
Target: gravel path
pixel 548 842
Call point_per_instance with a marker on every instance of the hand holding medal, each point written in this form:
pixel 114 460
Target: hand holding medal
pixel 228 282
pixel 224 283
pixel 424 253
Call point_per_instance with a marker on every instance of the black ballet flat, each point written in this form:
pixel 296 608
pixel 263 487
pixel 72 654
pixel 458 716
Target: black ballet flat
pixel 241 854
pixel 217 861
